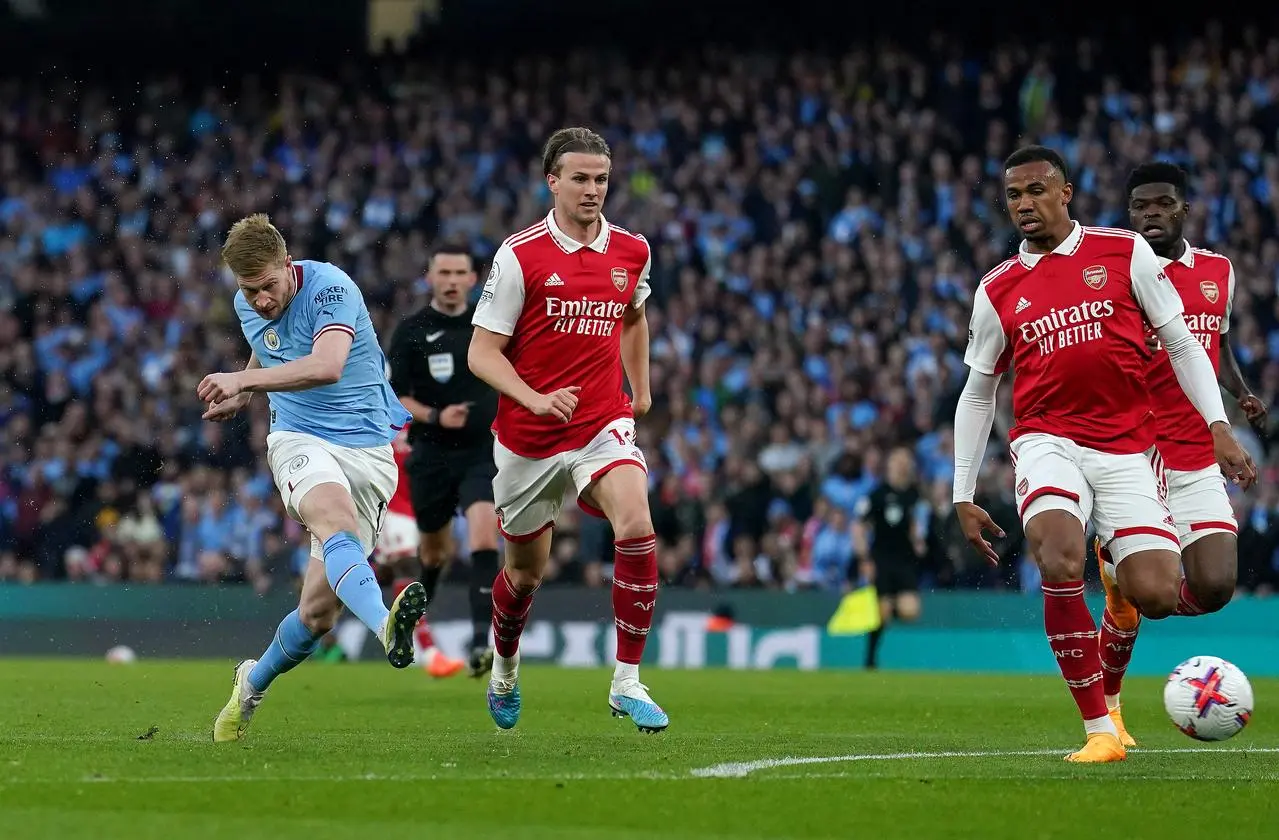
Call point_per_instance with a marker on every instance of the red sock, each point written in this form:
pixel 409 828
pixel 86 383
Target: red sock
pixel 634 594
pixel 425 641
pixel 510 611
pixel 1116 652
pixel 1072 635
pixel 1186 603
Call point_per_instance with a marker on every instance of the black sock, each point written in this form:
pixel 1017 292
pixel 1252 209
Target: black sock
pixel 872 647
pixel 431 579
pixel 483 571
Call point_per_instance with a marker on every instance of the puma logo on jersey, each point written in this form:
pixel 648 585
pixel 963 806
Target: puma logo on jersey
pixel 553 280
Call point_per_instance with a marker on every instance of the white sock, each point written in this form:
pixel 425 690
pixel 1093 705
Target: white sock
pixel 504 667
pixel 1101 724
pixel 1112 702
pixel 624 672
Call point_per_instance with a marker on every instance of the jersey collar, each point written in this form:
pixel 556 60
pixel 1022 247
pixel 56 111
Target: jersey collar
pixel 570 245
pixel 1067 247
pixel 1187 257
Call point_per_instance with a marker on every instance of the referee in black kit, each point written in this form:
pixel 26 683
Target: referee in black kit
pixel 889 541
pixel 451 464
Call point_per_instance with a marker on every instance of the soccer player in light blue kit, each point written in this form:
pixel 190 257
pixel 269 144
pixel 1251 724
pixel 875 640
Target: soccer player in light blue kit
pixel 333 417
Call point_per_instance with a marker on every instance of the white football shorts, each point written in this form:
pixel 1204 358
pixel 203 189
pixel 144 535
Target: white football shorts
pixel 300 462
pixel 529 492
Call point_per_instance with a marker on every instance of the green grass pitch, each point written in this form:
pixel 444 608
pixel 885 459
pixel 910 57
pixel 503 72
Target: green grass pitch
pixel 91 750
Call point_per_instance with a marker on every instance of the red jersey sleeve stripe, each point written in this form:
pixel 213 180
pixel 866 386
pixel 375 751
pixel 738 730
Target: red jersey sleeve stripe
pixel 331 327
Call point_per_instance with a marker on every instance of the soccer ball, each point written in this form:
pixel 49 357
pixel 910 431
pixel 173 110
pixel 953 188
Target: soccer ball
pixel 121 655
pixel 1208 698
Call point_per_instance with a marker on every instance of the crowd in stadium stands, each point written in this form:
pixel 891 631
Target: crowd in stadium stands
pixel 818 224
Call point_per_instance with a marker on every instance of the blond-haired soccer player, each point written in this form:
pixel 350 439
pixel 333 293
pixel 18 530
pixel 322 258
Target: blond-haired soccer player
pixel 559 323
pixel 333 417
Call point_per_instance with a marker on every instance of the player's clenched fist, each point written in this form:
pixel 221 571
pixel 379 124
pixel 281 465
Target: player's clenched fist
pixel 559 404
pixel 217 387
pixel 974 521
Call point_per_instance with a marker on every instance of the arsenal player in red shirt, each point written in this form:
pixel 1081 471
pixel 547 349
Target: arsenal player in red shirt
pixel 1196 489
pixel 1070 313
pixel 561 318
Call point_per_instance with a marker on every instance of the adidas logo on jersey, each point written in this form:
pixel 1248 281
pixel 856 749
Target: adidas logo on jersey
pixel 1022 305
pixel 553 280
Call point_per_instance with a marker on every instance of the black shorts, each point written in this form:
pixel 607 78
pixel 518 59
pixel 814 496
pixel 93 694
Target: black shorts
pixel 442 480
pixel 896 575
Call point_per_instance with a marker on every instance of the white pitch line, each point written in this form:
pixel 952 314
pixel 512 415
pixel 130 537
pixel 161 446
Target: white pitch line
pixel 727 770
pixel 741 769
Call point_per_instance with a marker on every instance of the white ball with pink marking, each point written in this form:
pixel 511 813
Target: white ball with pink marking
pixel 1208 698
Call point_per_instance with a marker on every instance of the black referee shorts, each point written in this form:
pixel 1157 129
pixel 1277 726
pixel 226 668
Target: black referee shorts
pixel 895 575
pixel 443 480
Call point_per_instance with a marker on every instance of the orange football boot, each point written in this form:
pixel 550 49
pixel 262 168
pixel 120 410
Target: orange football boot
pixel 438 664
pixel 1099 749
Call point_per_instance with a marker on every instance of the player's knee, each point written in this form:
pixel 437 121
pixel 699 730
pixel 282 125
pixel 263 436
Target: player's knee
pixel 1213 587
pixel 1151 585
pixel 1056 541
pixel 432 556
pixel 632 522
pixel 318 618
pixel 524 582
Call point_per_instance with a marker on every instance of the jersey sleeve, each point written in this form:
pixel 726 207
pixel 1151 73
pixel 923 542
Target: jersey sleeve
pixel 335 304
pixel 1230 296
pixel 987 342
pixel 1151 288
pixel 502 299
pixel 642 289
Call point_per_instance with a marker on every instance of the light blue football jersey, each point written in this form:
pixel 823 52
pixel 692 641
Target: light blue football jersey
pixel 360 409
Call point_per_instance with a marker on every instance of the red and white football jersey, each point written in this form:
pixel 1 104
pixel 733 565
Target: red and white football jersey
pixel 1072 325
pixel 562 304
pixel 401 502
pixel 1206 283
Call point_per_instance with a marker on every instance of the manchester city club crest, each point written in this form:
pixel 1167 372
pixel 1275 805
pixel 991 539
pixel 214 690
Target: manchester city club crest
pixel 271 339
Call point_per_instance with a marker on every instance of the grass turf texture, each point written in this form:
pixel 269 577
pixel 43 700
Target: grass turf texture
pixel 90 749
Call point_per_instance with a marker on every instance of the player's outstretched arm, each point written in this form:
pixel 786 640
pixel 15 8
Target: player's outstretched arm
pixel 323 366
pixel 635 358
pixel 486 359
pixel 974 417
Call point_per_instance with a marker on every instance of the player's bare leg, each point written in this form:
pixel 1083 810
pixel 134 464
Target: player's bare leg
pixel 329 514
pixel 1119 625
pixel 1056 540
pixel 296 638
pixel 481 532
pixel 1212 570
pixel 622 494
pixel 513 588
pixel 434 551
